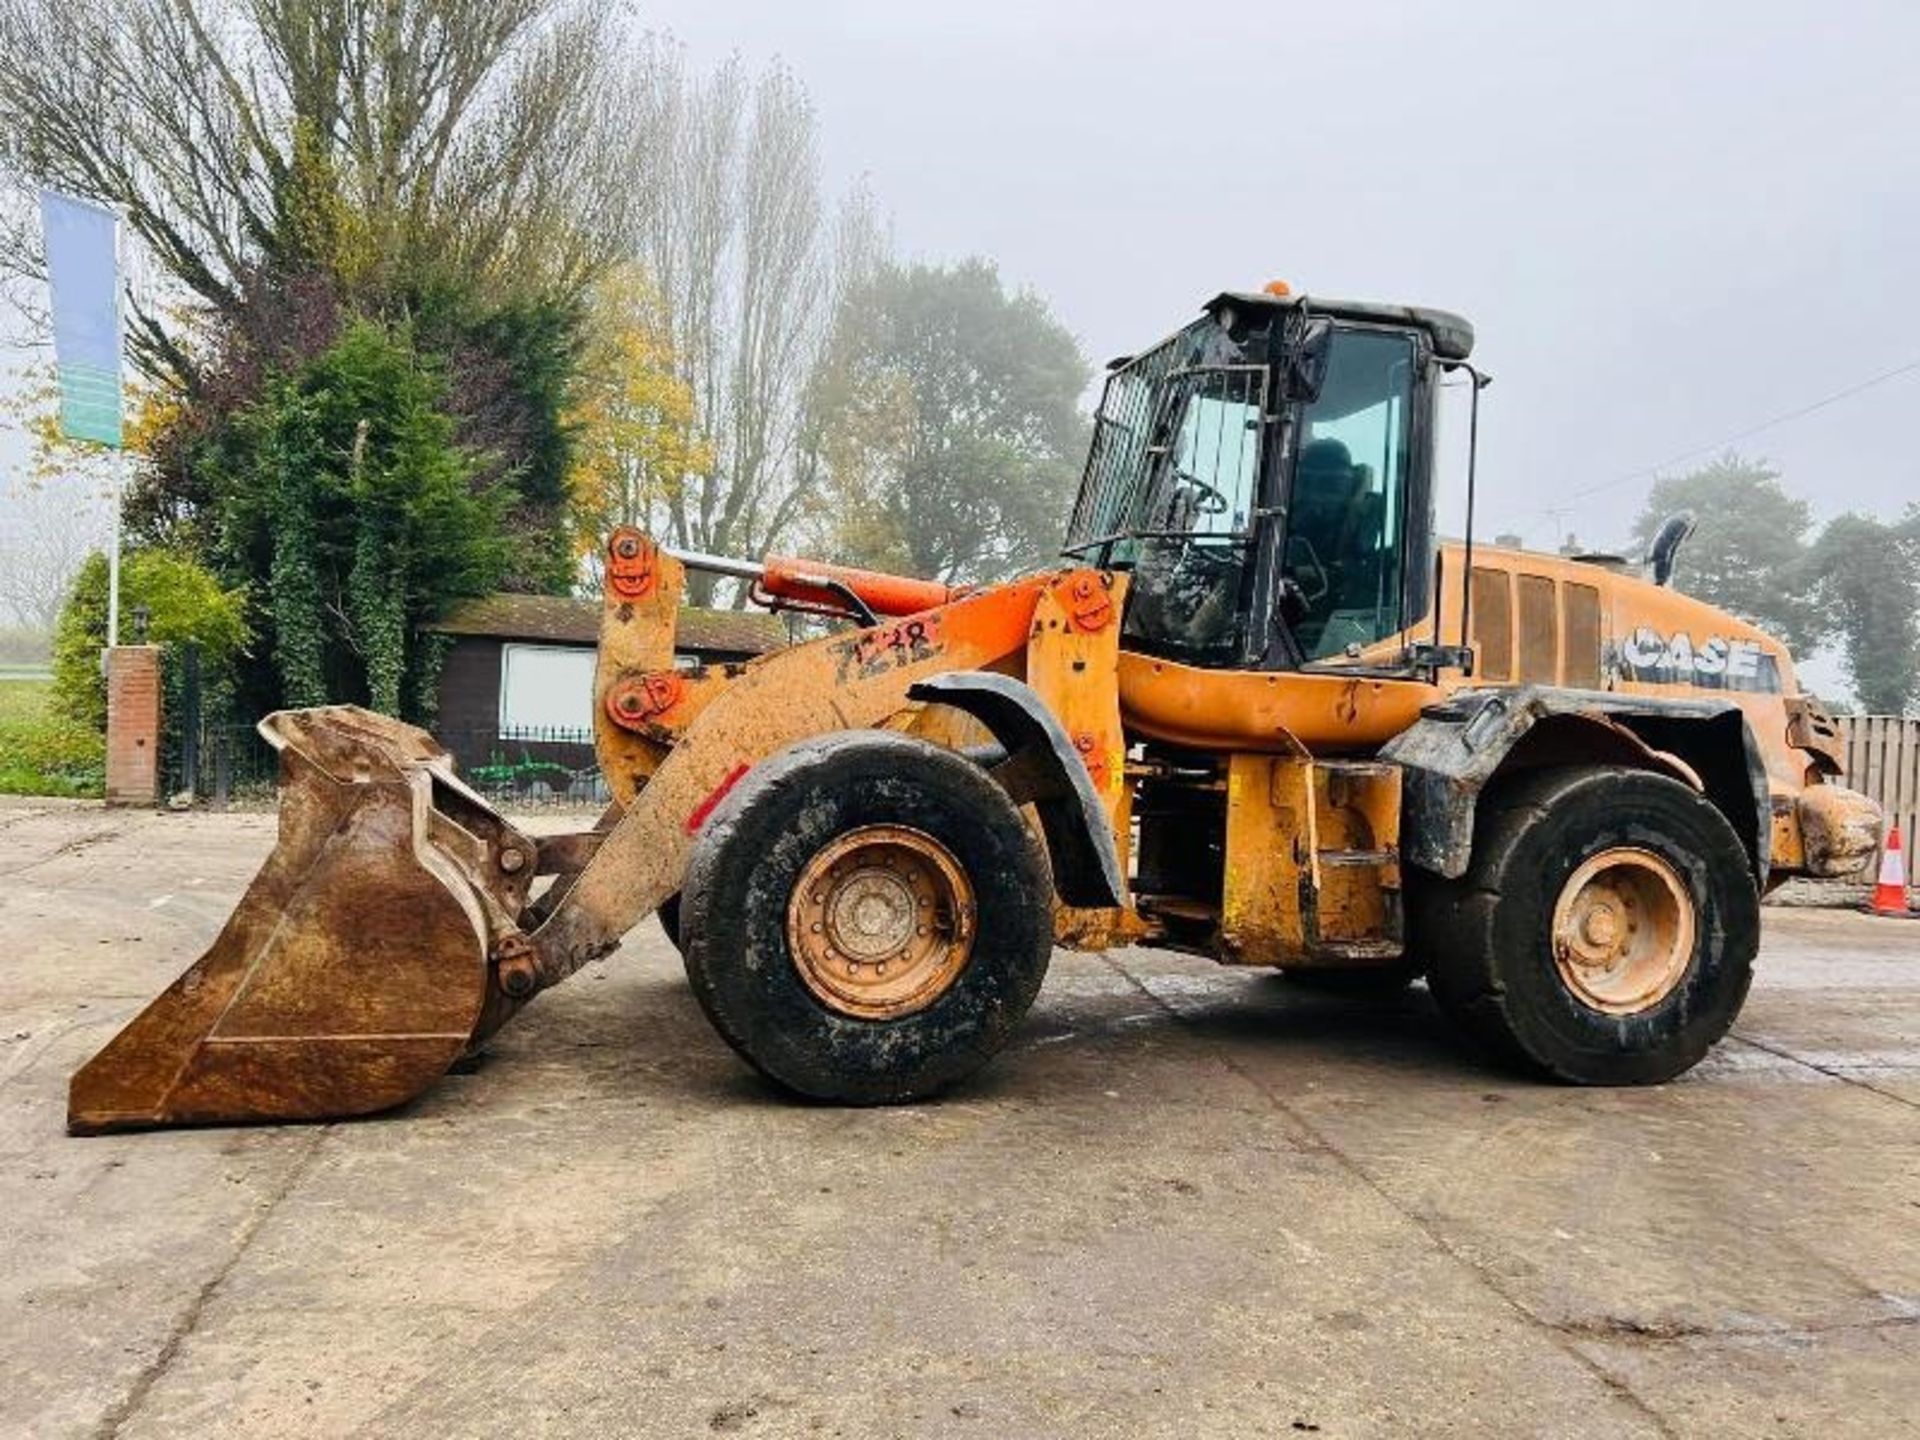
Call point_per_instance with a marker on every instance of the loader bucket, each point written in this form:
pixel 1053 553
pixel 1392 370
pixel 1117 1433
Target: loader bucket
pixel 355 969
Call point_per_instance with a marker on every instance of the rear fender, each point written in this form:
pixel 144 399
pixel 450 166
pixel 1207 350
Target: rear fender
pixel 1456 748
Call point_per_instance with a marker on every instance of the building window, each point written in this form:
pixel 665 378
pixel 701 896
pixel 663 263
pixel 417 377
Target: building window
pixel 546 692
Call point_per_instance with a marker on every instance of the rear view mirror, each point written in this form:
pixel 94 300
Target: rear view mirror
pixel 1306 366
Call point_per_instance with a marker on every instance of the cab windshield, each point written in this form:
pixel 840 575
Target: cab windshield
pixel 1177 487
pixel 1141 411
pixel 1170 490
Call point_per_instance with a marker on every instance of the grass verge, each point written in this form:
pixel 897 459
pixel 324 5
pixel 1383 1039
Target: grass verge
pixel 42 754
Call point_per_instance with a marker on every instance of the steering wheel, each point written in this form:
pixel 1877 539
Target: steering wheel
pixel 1311 594
pixel 1212 501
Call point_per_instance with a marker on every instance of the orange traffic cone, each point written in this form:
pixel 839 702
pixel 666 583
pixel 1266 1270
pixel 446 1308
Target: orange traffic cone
pixel 1890 894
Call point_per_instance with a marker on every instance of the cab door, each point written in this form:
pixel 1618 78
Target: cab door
pixel 1355 546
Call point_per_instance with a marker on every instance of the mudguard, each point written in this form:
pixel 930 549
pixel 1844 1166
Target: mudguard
pixel 1041 768
pixel 1455 748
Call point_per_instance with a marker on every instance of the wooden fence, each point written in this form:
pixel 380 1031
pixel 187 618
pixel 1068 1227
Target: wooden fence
pixel 1883 760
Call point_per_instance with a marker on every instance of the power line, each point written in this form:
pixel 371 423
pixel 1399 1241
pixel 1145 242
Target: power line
pixel 1650 471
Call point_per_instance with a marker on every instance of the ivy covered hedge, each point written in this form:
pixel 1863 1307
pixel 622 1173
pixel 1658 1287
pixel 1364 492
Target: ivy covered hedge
pixel 344 503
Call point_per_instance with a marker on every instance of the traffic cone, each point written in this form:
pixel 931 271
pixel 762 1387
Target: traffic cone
pixel 1890 893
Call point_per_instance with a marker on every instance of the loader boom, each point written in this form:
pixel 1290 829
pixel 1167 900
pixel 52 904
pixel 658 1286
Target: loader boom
pixel 868 673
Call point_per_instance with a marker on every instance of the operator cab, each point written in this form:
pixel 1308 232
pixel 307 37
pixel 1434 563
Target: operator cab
pixel 1266 474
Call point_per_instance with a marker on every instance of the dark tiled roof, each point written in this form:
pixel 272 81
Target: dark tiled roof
pixel 745 632
pixel 567 621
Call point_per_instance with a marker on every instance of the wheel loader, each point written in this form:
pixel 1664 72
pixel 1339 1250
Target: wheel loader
pixel 1260 712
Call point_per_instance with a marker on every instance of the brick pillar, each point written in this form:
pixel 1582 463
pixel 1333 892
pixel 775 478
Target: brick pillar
pixel 133 725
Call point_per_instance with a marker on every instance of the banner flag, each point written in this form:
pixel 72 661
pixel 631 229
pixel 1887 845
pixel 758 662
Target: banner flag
pixel 83 272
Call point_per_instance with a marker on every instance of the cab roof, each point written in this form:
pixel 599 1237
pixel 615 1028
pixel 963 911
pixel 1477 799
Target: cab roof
pixel 1450 334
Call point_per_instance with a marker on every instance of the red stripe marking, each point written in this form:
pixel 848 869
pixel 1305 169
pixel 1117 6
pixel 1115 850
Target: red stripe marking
pixel 707 806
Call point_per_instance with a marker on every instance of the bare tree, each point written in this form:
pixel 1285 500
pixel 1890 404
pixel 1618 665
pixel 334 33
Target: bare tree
pixel 360 137
pixel 47 530
pixel 750 259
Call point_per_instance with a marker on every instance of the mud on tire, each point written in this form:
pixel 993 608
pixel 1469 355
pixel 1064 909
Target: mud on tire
pixel 734 916
pixel 1488 937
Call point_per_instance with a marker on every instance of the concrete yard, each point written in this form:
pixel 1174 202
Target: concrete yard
pixel 1188 1202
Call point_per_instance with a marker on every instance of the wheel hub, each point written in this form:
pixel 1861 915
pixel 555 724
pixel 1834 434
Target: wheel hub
pixel 1623 930
pixel 871 914
pixel 881 922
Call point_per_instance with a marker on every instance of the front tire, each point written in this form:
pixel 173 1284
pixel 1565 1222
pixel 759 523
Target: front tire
pixel 866 918
pixel 1605 931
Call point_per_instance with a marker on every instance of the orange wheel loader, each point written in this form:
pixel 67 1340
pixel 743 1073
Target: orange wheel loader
pixel 1261 713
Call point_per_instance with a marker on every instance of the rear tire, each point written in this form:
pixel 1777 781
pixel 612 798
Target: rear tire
pixel 1605 931
pixel 867 918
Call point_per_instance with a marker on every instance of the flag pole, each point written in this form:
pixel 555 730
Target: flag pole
pixel 113 551
pixel 120 450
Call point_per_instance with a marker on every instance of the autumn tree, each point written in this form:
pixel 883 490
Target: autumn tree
pixel 637 440
pixel 950 424
pixel 1749 550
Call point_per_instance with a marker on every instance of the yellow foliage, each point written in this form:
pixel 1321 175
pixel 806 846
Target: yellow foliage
pixel 151 410
pixel 638 437
pixel 155 412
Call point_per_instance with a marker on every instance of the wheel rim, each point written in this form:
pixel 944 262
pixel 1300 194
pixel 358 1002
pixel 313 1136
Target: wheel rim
pixel 1623 930
pixel 881 922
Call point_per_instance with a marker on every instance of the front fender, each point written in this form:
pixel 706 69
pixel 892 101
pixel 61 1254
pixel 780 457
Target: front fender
pixel 1041 768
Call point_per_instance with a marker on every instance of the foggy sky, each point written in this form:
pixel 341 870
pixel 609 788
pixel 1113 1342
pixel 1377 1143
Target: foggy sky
pixel 1668 222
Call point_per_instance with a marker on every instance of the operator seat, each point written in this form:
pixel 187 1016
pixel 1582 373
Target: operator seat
pixel 1326 486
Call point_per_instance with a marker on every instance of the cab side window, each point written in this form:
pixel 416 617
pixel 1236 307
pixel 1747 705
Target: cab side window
pixel 1346 515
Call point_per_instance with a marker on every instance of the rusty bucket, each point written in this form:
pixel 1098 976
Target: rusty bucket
pixel 355 969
